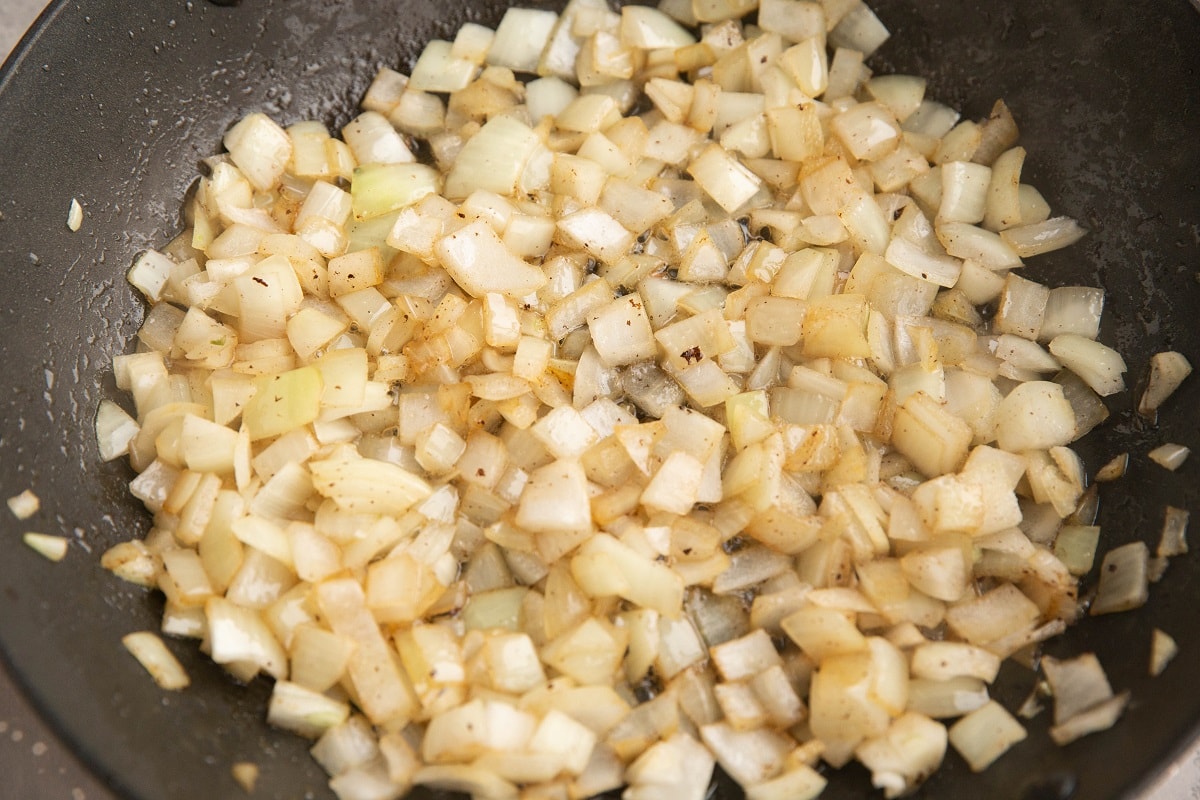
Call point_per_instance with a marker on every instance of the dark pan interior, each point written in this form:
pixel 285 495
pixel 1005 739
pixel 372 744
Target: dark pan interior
pixel 114 103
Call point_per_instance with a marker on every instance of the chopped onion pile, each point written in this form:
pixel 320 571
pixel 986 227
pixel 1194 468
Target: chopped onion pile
pixel 611 402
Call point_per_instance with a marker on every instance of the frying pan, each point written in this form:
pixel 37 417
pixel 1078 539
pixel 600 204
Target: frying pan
pixel 115 103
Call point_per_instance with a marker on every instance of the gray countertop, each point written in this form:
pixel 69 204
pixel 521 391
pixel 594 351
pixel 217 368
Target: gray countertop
pixel 36 766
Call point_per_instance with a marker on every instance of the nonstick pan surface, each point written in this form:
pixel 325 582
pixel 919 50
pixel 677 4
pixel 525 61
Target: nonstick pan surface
pixel 115 103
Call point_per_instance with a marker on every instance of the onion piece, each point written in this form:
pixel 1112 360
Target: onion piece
pixel 1072 309
pixel 520 38
pixel 1076 546
pixel 912 747
pixel 1162 649
pixel 1173 540
pixel 985 734
pixel 724 178
pixel 1043 237
pixel 24 505
pixel 1100 366
pixel 308 713
pixel 1114 469
pixel 260 149
pixel 1169 456
pixel 152 653
pixel 859 29
pixel 52 548
pixel 913 260
pixel 1167 371
pixel 75 216
pixel 649 29
pixel 1123 579
pixel 245 774
pixel 494 159
pixel 150 273
pixel 1098 718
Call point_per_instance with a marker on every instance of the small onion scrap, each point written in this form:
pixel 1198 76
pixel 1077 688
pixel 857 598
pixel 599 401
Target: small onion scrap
pixel 615 400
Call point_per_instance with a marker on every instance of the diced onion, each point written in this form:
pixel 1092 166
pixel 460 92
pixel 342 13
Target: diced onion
pixel 75 216
pixel 1169 456
pixel 1167 371
pixel 152 653
pixel 53 548
pixel 623 394
pixel 1162 649
pixel 1123 579
pixel 24 505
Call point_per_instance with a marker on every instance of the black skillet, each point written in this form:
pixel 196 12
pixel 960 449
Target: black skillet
pixel 114 103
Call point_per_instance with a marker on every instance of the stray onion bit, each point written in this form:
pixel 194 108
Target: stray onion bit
pixel 1114 469
pixel 1167 371
pixel 1083 699
pixel 1173 541
pixel 53 548
pixel 24 505
pixel 1123 579
pixel 693 399
pixel 1162 649
pixel 1169 456
pixel 75 215
pixel 245 774
pixel 1098 718
pixel 152 653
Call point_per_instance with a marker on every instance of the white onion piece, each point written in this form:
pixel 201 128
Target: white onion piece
pixel 964 241
pixel 49 546
pixel 1162 649
pixel 152 653
pixel 1034 416
pixel 1043 237
pixel 859 30
pixel 964 192
pixel 1004 191
pixel 724 178
pixel 1167 371
pixel 1169 456
pixel 438 70
pixel 260 148
pixel 494 159
pixel 480 263
pixel 1099 365
pixel 791 22
pixel 74 215
pixel 902 94
pixel 985 734
pixel 149 274
pixel 648 29
pixel 1098 718
pixel 520 38
pixel 915 261
pixel 115 429
pixel 1173 540
pixel 1072 309
pixel 24 505
pixel 373 140
pixel 1123 579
